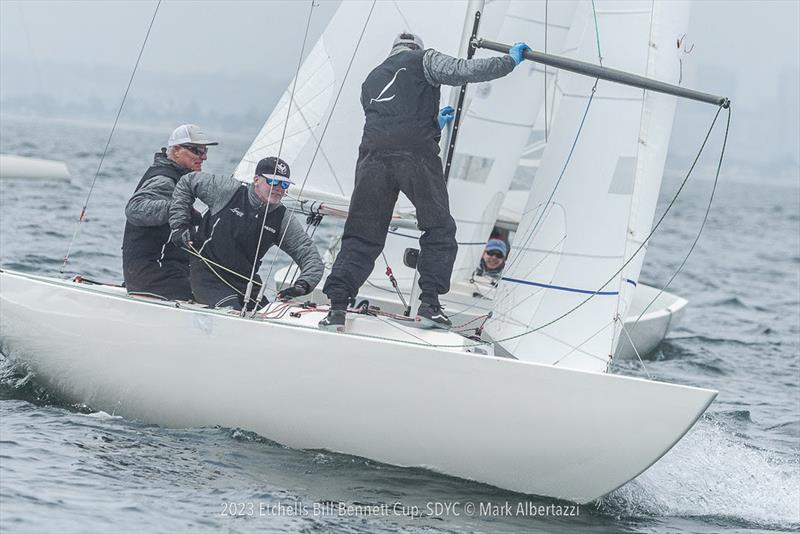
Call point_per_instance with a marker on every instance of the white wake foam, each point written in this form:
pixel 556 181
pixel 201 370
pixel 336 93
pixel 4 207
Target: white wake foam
pixel 712 473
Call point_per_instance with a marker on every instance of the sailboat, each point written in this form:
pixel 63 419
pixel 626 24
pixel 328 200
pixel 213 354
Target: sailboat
pixel 529 408
pixel 13 166
pixel 492 139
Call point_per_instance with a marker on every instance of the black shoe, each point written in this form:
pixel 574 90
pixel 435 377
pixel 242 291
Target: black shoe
pixel 334 321
pixel 431 316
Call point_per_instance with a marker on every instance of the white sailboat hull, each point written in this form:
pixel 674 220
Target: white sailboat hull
pixel 465 301
pixel 516 425
pixel 20 167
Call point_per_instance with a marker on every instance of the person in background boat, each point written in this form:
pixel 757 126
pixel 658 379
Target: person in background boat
pixel 151 265
pixel 493 260
pixel 400 152
pixel 228 235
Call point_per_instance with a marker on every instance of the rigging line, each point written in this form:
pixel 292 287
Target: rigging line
pixel 297 270
pixel 209 263
pixel 390 323
pixel 702 225
pixel 597 34
pixel 582 343
pixel 280 149
pixel 630 340
pixel 108 142
pixel 400 12
pixel 546 4
pixel 336 100
pixel 634 200
pixel 322 135
pixel 644 242
pixel 530 233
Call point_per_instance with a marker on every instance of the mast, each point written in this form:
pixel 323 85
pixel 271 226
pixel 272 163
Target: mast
pixel 468 36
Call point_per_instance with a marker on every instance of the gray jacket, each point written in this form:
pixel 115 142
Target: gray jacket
pixel 441 69
pixel 149 206
pixel 216 190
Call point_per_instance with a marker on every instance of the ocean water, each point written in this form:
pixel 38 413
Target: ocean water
pixel 69 468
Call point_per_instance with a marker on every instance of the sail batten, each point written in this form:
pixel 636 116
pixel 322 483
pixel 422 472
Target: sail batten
pixel 602 194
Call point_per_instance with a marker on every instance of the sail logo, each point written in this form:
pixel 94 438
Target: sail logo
pixel 237 212
pixel 380 97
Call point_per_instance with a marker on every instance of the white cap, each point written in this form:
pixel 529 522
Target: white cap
pixel 189 134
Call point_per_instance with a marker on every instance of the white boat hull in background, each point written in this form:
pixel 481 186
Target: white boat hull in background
pixel 521 426
pixel 19 167
pixel 461 302
pixel 665 313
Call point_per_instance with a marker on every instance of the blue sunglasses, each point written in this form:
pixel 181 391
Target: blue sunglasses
pixel 274 182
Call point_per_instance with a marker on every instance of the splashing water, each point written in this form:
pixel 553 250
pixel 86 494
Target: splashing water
pixel 711 473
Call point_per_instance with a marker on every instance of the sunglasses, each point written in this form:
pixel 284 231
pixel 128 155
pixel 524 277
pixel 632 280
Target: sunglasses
pixel 275 182
pixel 196 149
pixel 495 254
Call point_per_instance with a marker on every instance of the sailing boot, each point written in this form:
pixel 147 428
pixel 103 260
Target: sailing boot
pixel 334 321
pixel 431 316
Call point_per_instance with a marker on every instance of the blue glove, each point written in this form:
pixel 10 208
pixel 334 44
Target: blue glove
pixel 446 114
pixel 516 52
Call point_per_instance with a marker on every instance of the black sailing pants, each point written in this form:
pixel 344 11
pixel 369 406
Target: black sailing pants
pixel 380 176
pixel 209 289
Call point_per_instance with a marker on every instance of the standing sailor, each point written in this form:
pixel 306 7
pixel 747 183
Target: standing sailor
pixel 151 265
pixel 400 152
pixel 228 236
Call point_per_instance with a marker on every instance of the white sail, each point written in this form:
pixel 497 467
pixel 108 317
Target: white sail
pixel 322 134
pixel 497 126
pixel 568 248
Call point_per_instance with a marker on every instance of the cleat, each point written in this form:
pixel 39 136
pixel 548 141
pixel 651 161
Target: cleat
pixel 431 316
pixel 334 321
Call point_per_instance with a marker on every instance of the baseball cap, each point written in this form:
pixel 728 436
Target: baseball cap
pixel 497 245
pixel 189 134
pixel 408 38
pixel 272 166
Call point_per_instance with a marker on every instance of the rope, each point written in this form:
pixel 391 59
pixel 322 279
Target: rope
pixel 546 4
pixel 108 142
pixel 699 232
pixel 597 34
pixel 280 148
pixel 530 234
pixel 630 340
pixel 322 135
pixel 644 242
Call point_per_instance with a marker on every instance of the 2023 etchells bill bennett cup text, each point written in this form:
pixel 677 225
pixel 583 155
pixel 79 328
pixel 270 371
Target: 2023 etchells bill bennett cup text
pixel 398 509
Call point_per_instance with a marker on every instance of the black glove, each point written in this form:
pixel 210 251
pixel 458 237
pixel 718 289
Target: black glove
pixel 299 289
pixel 197 217
pixel 182 238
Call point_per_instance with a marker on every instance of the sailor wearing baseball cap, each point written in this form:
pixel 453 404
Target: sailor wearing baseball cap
pixel 240 216
pixel 150 264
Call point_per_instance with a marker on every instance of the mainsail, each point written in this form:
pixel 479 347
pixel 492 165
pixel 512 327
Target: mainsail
pixel 498 123
pixel 594 195
pixel 326 120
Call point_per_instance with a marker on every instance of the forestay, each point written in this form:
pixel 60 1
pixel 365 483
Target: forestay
pixel 603 205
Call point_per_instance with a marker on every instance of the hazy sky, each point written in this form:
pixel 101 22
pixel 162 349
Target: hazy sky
pixel 757 38
pixel 755 43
